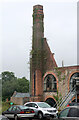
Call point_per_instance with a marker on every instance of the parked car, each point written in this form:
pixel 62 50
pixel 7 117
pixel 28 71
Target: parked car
pixel 69 113
pixel 73 104
pixel 42 109
pixel 2 117
pixel 19 112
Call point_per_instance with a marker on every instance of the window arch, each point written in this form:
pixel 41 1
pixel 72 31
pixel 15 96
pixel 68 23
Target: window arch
pixel 74 78
pixel 50 83
pixel 51 102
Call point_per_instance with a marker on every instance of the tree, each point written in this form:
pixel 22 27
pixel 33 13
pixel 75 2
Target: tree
pixel 7 76
pixel 10 83
pixel 8 88
pixel 22 85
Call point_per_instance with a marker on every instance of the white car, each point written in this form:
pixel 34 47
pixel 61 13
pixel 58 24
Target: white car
pixel 3 117
pixel 42 109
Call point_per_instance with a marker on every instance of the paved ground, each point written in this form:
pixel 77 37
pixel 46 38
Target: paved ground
pixel 43 119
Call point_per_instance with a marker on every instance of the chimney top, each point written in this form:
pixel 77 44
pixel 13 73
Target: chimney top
pixel 38 6
pixel 38 9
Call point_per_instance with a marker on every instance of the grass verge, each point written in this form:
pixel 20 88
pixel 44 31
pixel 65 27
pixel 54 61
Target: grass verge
pixel 5 106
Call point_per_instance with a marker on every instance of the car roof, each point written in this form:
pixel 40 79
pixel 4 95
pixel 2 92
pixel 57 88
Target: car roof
pixel 74 103
pixel 19 106
pixel 34 102
pixel 73 107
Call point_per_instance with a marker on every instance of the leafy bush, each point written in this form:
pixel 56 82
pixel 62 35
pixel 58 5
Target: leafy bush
pixel 5 106
pixel 10 83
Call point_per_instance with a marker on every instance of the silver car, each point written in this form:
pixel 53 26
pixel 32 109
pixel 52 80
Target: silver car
pixel 2 117
pixel 69 113
pixel 42 109
pixel 19 112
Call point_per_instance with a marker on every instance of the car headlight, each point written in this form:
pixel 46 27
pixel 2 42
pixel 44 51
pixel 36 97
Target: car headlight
pixel 44 110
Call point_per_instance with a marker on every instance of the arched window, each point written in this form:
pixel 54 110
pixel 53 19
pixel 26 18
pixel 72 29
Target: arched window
pixel 50 83
pixel 73 80
pixel 51 102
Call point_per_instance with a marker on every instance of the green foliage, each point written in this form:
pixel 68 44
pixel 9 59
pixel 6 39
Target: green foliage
pixel 0 107
pixel 63 78
pixel 5 105
pixel 58 73
pixel 10 84
pixel 7 76
pixel 56 96
pixel 8 88
pixel 38 57
pixel 22 85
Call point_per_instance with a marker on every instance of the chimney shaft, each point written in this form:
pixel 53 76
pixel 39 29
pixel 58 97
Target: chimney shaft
pixel 38 27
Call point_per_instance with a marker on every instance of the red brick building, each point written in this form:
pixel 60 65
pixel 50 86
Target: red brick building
pixel 48 81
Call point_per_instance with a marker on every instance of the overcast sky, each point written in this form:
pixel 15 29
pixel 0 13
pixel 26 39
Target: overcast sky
pixel 60 29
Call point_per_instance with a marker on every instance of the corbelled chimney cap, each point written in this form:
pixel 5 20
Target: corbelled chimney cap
pixel 38 6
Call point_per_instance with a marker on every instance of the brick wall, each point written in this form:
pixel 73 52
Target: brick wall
pixel 49 61
pixel 19 100
pixel 63 79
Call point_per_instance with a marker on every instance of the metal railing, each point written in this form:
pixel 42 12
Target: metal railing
pixel 63 101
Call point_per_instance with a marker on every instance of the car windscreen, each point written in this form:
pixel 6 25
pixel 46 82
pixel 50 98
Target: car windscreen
pixel 44 105
pixel 23 107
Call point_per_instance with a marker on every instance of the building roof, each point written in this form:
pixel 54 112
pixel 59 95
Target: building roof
pixel 18 94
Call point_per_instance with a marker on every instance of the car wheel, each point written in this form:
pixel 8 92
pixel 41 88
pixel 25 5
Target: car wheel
pixel 30 118
pixel 50 118
pixel 40 115
pixel 15 117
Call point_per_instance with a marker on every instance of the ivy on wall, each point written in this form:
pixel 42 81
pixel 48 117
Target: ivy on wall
pixel 58 72
pixel 38 58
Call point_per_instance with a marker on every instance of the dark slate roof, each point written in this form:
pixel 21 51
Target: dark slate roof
pixel 17 94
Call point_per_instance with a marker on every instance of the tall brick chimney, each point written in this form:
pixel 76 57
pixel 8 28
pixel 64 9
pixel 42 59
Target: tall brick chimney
pixel 38 28
pixel 36 83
